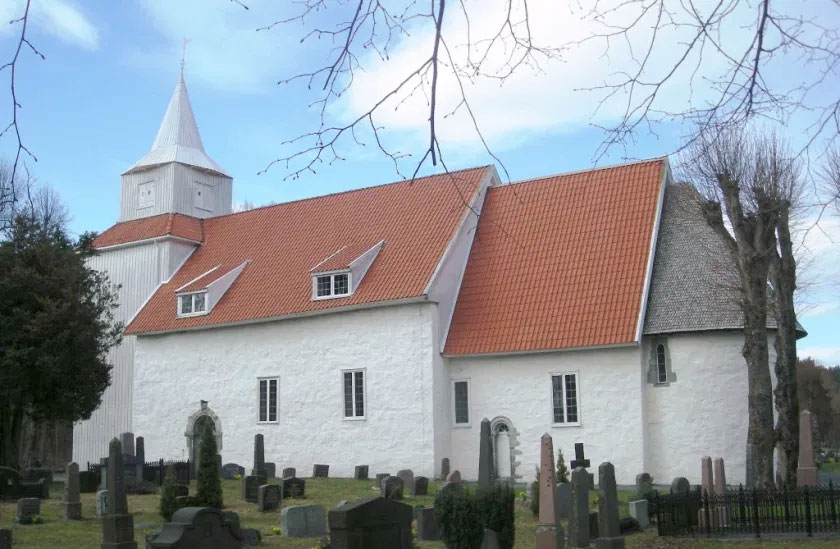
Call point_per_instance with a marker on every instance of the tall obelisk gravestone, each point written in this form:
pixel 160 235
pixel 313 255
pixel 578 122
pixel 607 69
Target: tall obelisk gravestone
pixel 609 532
pixel 118 524
pixel 806 471
pixel 549 533
pixel 485 456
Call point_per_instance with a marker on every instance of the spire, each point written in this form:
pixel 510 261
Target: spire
pixel 178 139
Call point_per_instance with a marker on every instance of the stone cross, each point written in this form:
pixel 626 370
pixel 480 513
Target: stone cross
pixel 71 507
pixel 720 477
pixel 118 524
pixel 444 468
pixel 549 533
pixel 806 472
pixel 485 456
pixel 580 460
pixel 707 479
pixel 579 513
pixel 259 456
pixel 608 527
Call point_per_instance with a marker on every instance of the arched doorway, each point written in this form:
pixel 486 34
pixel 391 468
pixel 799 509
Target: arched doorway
pixel 505 441
pixel 198 430
pixel 195 428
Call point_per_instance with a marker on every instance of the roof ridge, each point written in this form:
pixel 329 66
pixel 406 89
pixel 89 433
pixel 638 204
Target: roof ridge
pixel 348 191
pixel 586 170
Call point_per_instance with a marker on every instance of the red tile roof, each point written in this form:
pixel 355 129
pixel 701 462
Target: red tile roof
pixel 341 259
pixel 558 262
pixel 179 225
pixel 416 219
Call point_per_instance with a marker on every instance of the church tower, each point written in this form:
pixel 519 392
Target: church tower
pixel 176 175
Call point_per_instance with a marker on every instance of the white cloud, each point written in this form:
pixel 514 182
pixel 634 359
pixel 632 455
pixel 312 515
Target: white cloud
pixel 59 18
pixel 820 309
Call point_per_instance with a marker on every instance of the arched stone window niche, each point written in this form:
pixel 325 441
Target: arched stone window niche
pixel 660 371
pixel 505 442
pixel 195 427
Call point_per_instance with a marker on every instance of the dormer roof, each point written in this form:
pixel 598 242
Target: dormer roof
pixel 178 139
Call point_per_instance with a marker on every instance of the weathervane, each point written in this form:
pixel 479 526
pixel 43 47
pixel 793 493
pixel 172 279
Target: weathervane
pixel 183 55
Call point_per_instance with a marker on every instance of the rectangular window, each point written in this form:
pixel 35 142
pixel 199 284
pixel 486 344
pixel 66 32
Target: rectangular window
pixel 340 284
pixel 331 285
pixel 268 399
pixel 324 284
pixel 192 304
pixel 354 394
pixel 564 399
pixel 461 391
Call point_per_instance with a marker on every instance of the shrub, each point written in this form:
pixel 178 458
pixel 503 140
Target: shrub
pixel 535 495
pixel 496 505
pixel 645 490
pixel 208 485
pixel 628 525
pixel 458 515
pixel 562 470
pixel 167 495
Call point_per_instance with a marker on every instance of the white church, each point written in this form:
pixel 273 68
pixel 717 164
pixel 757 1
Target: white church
pixel 379 326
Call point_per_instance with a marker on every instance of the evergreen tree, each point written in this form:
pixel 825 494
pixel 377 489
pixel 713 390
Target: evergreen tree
pixel 209 485
pixel 562 470
pixel 168 504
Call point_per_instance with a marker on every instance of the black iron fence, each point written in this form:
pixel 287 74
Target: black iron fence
pixel 153 471
pixel 806 510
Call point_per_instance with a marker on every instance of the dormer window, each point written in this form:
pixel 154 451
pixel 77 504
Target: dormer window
pixel 332 285
pixel 192 304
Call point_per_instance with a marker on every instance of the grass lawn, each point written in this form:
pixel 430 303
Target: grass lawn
pixel 833 467
pixel 87 533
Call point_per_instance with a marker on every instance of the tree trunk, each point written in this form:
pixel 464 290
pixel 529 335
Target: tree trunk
pixel 783 278
pixel 11 428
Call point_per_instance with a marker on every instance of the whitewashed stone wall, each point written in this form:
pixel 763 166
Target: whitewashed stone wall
pixel 519 388
pixel 174 372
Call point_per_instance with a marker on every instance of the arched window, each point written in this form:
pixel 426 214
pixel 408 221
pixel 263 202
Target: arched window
pixel 661 371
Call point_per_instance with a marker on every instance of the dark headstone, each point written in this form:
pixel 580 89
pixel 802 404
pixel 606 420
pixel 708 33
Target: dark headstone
pixel 361 472
pixel 490 539
pixel 268 498
pixel 5 538
pixel 182 490
pixel 392 488
pixel 680 486
pixel 304 521
pixel 294 487
pixel 444 468
pixel 196 527
pixel 118 523
pixel 643 478
pixel 593 525
pixel 580 460
pixel 71 506
pixel 376 523
pixel 270 469
pixel 485 455
pixel 88 482
pixel 259 456
pixel 34 474
pixel 608 526
pixel 563 494
pixel 140 456
pixel 27 509
pixel 251 536
pixel 407 478
pixel 249 486
pixel 421 486
pixel 230 470
pixel 289 472
pixel 380 477
pixel 127 441
pixel 427 526
pixel 579 512
pixel 319 470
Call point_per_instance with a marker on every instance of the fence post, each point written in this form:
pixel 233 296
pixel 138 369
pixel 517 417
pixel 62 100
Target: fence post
pixel 705 504
pixel 755 514
pixel 161 472
pixel 831 503
pixel 808 525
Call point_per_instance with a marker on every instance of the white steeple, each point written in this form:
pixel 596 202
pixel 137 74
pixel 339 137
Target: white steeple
pixel 178 139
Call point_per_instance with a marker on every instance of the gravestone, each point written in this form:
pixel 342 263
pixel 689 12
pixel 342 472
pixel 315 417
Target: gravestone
pixel 490 539
pixel 197 527
pixel 720 476
pixel 127 440
pixel 268 498
pixel 563 497
pixel 5 538
pixel 640 511
pixel 680 486
pixel 259 457
pixel 421 486
pixel 270 469
pixel 379 478
pixel 454 476
pixel 453 481
pixel 427 526
pixel 580 459
pixel 608 527
pixel 230 470
pixel 361 472
pixel 376 523
pixel 289 472
pixel 485 456
pixel 88 482
pixel 304 521
pixel 593 525
pixel 707 479
pixel 642 479
pixel 549 533
pixel 71 507
pixel 407 478
pixel 579 513
pixel 34 474
pixel 186 501
pixel 392 488
pixel 139 457
pixel 12 486
pixel 806 471
pixel 118 523
pixel 101 503
pixel 249 486
pixel 27 510
pixel 319 470
pixel 293 487
pixel 444 468
pixel 181 490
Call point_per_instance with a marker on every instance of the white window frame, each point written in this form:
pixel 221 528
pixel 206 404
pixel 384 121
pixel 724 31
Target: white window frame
pixel 455 423
pixel 268 381
pixel 353 389
pixel 192 297
pixel 577 423
pixel 141 203
pixel 332 294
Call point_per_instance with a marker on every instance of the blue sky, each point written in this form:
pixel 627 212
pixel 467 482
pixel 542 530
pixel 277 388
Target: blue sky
pixel 92 108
